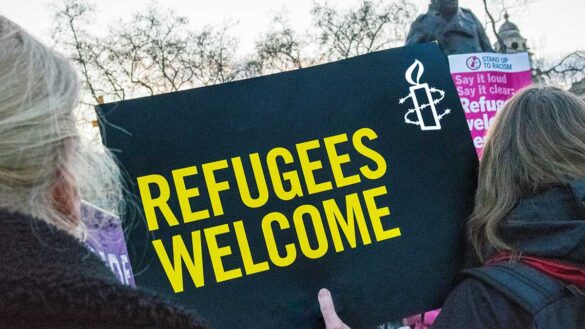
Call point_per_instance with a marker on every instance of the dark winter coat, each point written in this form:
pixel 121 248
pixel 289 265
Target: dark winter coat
pixel 48 279
pixel 550 224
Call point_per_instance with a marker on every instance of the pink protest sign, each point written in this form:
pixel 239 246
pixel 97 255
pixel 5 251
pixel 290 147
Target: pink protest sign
pixel 484 82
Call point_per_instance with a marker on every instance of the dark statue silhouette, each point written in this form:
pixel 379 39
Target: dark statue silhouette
pixel 457 30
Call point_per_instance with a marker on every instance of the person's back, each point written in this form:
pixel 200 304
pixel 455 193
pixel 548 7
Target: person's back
pixel 528 224
pixel 48 278
pixel 529 220
pixel 549 230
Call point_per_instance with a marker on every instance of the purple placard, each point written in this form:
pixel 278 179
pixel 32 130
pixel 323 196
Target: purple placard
pixel 106 239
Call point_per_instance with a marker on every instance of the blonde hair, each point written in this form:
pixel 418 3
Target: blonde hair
pixel 39 140
pixel 536 141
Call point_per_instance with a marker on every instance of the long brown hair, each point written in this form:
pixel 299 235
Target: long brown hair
pixel 537 140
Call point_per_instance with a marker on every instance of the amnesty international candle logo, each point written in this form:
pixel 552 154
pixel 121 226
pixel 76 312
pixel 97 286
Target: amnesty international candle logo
pixel 253 195
pixel 344 226
pixel 426 101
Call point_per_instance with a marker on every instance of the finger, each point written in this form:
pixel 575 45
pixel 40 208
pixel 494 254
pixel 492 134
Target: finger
pixel 332 321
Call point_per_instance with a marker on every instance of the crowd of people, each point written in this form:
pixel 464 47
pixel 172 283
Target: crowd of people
pixel 528 221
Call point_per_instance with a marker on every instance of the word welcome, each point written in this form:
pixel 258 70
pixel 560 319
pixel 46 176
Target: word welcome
pixel 290 175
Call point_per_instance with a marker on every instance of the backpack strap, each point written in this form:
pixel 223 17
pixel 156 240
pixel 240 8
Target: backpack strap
pixel 521 283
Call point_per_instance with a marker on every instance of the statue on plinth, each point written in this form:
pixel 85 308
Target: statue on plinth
pixel 457 30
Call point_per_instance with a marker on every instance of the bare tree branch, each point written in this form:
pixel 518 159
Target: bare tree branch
pixel 568 70
pixel 371 26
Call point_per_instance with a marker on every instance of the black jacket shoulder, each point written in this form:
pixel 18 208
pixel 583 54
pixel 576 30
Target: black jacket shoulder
pixel 48 279
pixel 472 304
pixel 549 224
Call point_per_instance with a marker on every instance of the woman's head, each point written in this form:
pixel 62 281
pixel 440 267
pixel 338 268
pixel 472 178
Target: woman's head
pixel 42 163
pixel 537 140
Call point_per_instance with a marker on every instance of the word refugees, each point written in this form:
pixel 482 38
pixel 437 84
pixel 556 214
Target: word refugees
pixel 312 224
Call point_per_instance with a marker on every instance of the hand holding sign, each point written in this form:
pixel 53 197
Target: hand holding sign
pixel 332 320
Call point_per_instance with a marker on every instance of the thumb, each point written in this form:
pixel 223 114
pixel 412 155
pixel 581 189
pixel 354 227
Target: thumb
pixel 332 321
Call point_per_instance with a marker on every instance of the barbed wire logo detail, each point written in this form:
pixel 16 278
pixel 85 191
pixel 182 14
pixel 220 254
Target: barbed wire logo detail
pixel 430 102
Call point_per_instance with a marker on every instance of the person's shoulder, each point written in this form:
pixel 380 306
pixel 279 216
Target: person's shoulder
pixel 50 277
pixel 475 303
pixel 89 301
pixel 474 286
pixel 473 289
pixel 147 308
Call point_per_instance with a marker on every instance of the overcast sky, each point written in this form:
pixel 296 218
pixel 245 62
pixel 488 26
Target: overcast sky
pixel 552 27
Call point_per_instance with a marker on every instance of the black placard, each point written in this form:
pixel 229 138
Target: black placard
pixel 405 168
